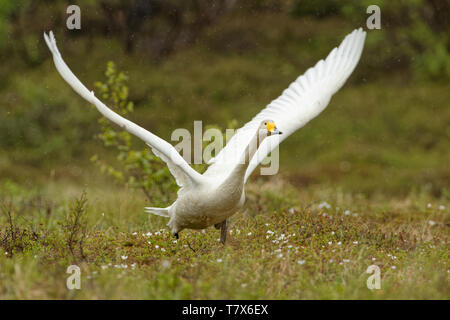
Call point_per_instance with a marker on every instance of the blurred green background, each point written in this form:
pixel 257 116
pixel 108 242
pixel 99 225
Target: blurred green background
pixel 386 131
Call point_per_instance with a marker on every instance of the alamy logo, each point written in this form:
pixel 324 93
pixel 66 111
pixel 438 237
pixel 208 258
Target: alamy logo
pixel 374 20
pixel 193 151
pixel 74 20
pixel 74 280
pixel 374 281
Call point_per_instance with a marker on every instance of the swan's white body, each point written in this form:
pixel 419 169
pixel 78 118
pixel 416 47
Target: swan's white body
pixel 208 199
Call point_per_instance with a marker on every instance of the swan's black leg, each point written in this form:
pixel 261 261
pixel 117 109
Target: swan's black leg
pixel 176 235
pixel 223 231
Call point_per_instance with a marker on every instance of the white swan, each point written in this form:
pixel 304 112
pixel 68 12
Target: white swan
pixel 211 198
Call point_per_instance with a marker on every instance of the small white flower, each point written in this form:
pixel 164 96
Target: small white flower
pixel 431 223
pixel 174 241
pixel 156 246
pixel 243 285
pixel 355 242
pixel 324 205
pixel 103 214
pixel 332 232
pixel 124 257
pixel 104 267
pixel 330 242
pixel 249 234
pixel 331 261
pixel 148 234
pixel 346 260
pixel 165 264
pixel 134 233
pixel 163 250
pixel 393 267
pixel 270 232
pixel 347 212
pixel 441 208
pixel 291 210
pixel 429 205
pixel 355 214
pixel 300 262
pixel 266 224
pixel 219 260
pixel 280 255
pixel 373 259
pixel 339 243
pixel 133 266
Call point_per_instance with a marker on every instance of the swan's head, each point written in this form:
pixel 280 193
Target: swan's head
pixel 269 128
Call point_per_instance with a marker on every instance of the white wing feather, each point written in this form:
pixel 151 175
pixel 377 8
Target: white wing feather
pixel 179 168
pixel 303 100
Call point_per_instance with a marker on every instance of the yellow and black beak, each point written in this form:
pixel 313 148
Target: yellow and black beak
pixel 272 128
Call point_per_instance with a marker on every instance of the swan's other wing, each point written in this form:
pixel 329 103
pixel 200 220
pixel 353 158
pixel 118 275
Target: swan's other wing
pixel 179 168
pixel 303 100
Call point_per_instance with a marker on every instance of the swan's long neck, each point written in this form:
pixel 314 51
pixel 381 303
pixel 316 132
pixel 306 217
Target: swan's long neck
pixel 237 175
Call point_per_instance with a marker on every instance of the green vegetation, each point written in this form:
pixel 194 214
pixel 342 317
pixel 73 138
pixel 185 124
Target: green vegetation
pixel 142 169
pixel 367 182
pixel 414 33
pixel 286 245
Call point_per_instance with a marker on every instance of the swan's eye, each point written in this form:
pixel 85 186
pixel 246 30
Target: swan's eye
pixel 270 126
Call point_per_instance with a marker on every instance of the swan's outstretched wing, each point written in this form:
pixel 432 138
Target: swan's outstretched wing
pixel 303 100
pixel 179 168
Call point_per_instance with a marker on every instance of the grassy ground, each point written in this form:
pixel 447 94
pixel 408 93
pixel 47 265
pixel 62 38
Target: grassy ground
pixel 286 244
pixel 376 156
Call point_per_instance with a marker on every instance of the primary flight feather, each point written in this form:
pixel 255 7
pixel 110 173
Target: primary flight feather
pixel 211 198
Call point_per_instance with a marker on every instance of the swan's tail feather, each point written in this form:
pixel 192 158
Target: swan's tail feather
pixel 163 212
